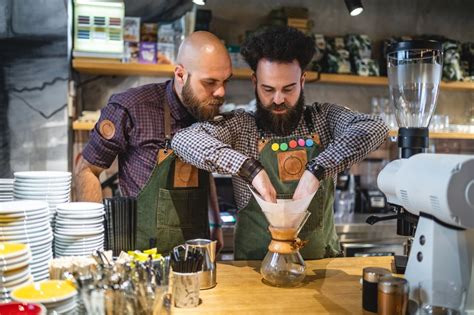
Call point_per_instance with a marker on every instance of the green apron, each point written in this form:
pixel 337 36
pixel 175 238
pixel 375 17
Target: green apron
pixel 172 206
pixel 285 167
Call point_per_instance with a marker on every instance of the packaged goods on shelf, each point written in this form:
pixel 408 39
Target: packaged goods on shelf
pixel 131 29
pixel 147 52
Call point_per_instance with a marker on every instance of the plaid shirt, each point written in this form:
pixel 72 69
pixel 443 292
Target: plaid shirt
pixel 138 116
pixel 222 146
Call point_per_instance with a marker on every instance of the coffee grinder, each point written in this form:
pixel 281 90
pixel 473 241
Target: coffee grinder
pixel 283 266
pixel 414 73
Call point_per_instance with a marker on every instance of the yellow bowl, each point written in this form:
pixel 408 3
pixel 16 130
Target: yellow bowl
pixel 48 291
pixel 9 250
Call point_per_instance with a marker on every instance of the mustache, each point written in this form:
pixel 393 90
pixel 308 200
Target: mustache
pixel 281 106
pixel 216 101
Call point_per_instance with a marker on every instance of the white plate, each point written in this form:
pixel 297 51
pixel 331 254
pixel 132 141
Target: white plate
pixel 43 187
pixel 81 206
pixel 22 205
pixel 14 275
pixel 28 222
pixel 85 232
pixel 80 216
pixel 16 282
pixel 69 226
pixel 40 244
pixel 33 242
pixel 45 192
pixel 44 197
pixel 42 175
pixel 72 239
pixel 6 181
pixel 79 221
pixel 14 260
pixel 24 231
pixel 78 245
pixel 26 226
pixel 22 264
pixel 25 213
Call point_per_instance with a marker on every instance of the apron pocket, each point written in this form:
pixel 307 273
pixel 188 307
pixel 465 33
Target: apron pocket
pixel 182 208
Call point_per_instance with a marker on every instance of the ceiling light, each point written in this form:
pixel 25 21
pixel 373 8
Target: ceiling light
pixel 199 2
pixel 354 6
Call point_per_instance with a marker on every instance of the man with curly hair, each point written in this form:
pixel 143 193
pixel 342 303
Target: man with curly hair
pixel 285 149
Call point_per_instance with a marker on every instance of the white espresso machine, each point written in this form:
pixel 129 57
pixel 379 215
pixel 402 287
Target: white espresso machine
pixel 439 188
pixel 433 194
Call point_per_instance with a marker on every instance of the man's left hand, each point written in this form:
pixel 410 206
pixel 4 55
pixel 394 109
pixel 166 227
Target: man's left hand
pixel 308 184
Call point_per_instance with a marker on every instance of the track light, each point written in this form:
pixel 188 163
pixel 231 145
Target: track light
pixel 354 6
pixel 199 2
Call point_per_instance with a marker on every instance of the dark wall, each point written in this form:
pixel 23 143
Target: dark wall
pixel 33 85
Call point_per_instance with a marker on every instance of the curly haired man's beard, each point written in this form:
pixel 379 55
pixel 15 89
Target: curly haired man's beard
pixel 201 110
pixel 284 124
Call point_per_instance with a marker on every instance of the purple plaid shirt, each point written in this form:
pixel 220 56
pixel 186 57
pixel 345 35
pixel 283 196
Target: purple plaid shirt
pixel 138 116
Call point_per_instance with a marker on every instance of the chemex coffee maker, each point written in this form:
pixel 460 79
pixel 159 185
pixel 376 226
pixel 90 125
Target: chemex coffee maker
pixel 433 194
pixel 283 266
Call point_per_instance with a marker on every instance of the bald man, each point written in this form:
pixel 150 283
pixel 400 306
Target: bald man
pixel 137 126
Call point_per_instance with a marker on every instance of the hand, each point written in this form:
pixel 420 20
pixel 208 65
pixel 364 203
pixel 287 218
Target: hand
pixel 217 235
pixel 264 186
pixel 308 184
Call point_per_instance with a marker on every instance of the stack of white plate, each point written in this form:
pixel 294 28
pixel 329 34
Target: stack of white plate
pixel 27 222
pixel 79 229
pixel 58 296
pixel 6 189
pixel 14 267
pixel 52 187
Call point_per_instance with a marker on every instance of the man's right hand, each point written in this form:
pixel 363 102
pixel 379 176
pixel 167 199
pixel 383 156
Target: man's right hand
pixel 264 187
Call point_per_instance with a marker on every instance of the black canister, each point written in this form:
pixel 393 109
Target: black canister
pixel 370 280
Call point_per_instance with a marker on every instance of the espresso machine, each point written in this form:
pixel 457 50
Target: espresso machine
pixel 414 72
pixel 439 189
pixel 432 194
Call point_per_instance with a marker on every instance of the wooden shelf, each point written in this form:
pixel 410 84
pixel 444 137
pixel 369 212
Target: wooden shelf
pixel 89 125
pixel 115 67
pixel 83 125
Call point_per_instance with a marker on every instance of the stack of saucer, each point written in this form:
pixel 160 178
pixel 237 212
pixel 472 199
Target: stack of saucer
pixel 52 187
pixel 58 296
pixel 14 270
pixel 6 189
pixel 27 222
pixel 79 229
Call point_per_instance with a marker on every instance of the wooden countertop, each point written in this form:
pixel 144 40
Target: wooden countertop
pixel 331 286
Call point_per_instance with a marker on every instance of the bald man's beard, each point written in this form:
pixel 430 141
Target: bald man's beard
pixel 201 110
pixel 281 125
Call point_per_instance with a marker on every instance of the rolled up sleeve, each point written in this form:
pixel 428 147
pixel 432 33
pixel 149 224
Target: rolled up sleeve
pixel 102 150
pixel 209 146
pixel 354 135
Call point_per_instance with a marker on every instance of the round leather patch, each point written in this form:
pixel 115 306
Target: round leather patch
pixel 293 165
pixel 107 129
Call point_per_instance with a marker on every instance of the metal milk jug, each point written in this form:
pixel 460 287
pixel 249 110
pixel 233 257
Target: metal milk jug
pixel 207 278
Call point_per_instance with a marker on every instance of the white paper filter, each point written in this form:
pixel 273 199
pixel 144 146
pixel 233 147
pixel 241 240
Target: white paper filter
pixel 286 213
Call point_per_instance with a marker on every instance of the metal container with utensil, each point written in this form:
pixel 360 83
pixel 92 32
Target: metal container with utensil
pixel 207 278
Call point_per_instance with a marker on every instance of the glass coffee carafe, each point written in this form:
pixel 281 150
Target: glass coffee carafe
pixel 283 266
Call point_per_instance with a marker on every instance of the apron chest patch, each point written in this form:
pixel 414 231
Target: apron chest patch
pixel 291 164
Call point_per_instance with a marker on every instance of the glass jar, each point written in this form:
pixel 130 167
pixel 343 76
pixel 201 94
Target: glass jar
pixel 283 270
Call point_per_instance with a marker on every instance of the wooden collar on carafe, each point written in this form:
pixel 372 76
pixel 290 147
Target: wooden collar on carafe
pixel 285 240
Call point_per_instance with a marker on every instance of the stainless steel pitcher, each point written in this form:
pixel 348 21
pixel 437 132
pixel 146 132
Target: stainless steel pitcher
pixel 207 278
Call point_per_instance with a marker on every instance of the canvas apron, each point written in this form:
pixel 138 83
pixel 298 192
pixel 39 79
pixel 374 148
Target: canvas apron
pixel 285 167
pixel 173 204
